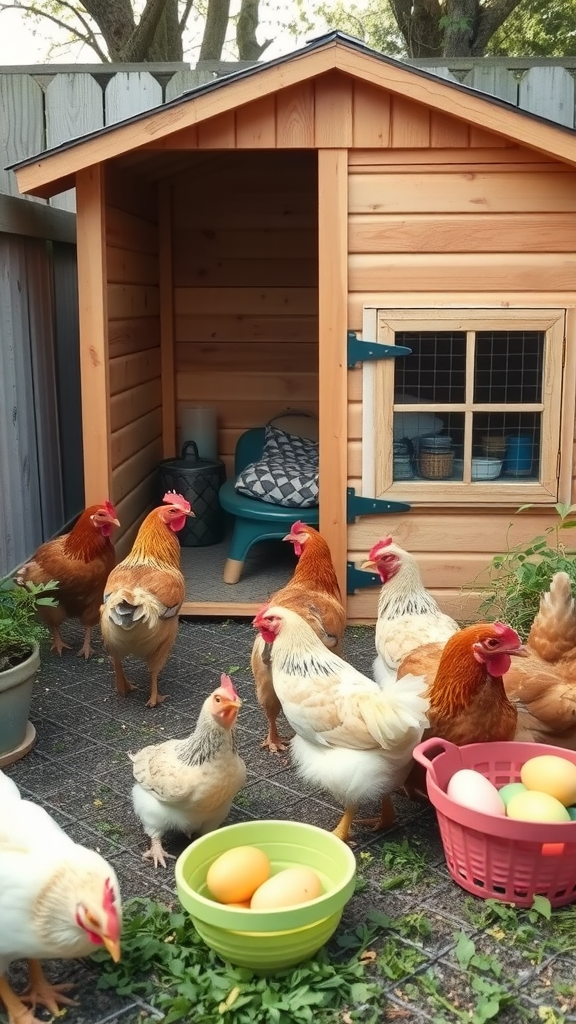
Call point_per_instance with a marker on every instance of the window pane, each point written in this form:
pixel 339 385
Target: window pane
pixel 511 441
pixel 508 366
pixel 436 370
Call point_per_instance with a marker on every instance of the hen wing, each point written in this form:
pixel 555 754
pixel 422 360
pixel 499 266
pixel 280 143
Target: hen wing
pixel 166 585
pixel 396 639
pixel 159 770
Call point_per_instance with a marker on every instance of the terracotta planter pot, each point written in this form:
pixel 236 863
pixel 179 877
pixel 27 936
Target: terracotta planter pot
pixel 17 734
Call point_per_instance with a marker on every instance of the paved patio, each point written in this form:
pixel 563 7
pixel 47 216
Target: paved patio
pixel 80 773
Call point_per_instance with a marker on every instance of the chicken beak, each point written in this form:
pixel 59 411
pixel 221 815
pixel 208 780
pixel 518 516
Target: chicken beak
pixel 115 522
pixel 288 537
pixel 520 652
pixel 113 947
pixel 191 514
pixel 237 703
pixel 368 565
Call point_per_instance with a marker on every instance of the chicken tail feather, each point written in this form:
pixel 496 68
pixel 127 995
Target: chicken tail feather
pixel 130 605
pixel 396 710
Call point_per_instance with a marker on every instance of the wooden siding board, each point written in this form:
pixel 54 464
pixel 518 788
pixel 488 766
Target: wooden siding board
pixel 332 323
pixel 465 272
pixel 410 124
pixel 256 124
pixel 295 117
pixel 166 283
pixel 126 231
pixel 93 313
pixel 371 116
pixel 333 111
pixel 464 233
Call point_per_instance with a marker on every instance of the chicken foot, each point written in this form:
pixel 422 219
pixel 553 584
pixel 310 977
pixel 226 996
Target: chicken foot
pixel 58 644
pixel 18 1013
pixel 344 826
pixel 157 853
pixel 385 819
pixel 86 650
pixel 40 991
pixel 274 741
pixel 155 696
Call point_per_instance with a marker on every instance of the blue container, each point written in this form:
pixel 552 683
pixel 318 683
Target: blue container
pixel 518 461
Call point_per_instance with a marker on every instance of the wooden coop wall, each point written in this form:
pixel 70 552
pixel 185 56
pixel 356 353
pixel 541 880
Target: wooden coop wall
pixel 452 217
pixel 134 349
pixel 245 271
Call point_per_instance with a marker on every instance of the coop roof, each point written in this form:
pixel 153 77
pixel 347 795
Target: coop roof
pixel 53 170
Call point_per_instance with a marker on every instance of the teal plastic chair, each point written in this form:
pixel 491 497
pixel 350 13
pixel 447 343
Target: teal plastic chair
pixel 254 520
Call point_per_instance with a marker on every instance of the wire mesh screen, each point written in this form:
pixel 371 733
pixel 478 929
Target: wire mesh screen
pixel 508 371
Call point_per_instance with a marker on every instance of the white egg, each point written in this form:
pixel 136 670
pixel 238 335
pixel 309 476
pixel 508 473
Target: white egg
pixel 471 789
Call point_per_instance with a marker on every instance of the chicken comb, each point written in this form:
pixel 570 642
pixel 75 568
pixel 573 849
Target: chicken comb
pixel 110 509
pixel 298 527
pixel 109 895
pixel 227 684
pixel 384 543
pixel 172 498
pixel 506 632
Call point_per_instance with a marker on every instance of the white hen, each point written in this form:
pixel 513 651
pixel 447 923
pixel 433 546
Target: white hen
pixel 353 737
pixel 408 615
pixel 58 900
pixel 190 784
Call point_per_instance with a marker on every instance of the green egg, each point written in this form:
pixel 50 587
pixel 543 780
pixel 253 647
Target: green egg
pixel 512 789
pixel 572 813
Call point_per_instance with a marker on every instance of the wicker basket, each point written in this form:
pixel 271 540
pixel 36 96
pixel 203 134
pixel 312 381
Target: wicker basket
pixel 493 857
pixel 436 465
pixel 493 445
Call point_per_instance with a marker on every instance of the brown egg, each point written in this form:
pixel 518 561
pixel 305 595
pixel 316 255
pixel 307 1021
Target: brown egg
pixel 235 875
pixel 287 889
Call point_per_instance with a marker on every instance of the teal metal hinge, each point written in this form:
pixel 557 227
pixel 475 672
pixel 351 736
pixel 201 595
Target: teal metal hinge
pixel 363 351
pixel 358 579
pixel 359 506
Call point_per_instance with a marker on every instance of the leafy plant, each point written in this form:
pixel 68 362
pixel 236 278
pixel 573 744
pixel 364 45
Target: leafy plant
pixel 523 573
pixel 165 961
pixel 406 864
pixel 19 627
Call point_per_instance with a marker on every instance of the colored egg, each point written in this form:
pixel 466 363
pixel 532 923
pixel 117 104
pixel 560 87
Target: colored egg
pixel 471 789
pixel 512 789
pixel 553 775
pixel 235 875
pixel 572 813
pixel 287 889
pixel 533 806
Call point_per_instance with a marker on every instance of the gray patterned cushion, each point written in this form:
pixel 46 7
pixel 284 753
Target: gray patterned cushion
pixel 286 474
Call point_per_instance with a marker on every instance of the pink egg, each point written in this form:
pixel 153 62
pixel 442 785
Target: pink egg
pixel 471 789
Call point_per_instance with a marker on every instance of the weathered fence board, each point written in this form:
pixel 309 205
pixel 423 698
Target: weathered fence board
pixel 548 92
pixel 22 130
pixel 130 92
pixel 74 106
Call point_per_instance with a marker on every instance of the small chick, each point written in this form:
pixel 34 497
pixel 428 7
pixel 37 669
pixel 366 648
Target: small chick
pixel 190 784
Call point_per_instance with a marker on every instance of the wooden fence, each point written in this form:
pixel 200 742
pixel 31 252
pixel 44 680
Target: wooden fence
pixel 44 106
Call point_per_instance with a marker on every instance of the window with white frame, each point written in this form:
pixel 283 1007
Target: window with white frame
pixel 473 413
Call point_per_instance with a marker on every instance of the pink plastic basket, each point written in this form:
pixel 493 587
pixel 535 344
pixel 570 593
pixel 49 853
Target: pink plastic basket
pixel 495 857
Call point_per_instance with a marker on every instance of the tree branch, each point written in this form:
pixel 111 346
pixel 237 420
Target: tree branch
pixel 490 18
pixel 186 15
pixel 89 40
pixel 137 47
pixel 248 46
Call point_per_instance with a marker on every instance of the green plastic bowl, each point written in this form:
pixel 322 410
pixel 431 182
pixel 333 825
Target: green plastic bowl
pixel 268 940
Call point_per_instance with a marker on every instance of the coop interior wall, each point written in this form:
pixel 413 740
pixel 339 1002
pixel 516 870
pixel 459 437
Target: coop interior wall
pixel 245 270
pixel 134 348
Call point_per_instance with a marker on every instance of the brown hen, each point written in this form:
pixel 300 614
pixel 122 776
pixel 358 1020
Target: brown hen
pixel 313 593
pixel 468 702
pixel 143 596
pixel 80 561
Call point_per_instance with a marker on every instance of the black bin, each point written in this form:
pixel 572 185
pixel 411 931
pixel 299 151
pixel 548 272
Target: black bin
pixel 199 481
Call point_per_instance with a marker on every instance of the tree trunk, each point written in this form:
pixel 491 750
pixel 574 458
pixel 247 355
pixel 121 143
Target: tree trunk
pixel 419 23
pixel 248 46
pixel 215 30
pixel 156 37
pixel 460 28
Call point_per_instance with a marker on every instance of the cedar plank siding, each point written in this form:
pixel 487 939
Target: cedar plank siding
pixel 246 289
pixel 467 226
pixel 134 350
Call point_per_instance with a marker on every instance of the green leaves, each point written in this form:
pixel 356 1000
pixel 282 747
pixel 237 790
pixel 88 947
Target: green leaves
pixel 19 626
pixel 165 962
pixel 524 572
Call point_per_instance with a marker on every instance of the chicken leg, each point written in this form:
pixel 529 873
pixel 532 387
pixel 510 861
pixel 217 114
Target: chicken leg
pixel 343 827
pixel 41 991
pixel 86 650
pixel 274 741
pixel 385 819
pixel 58 644
pixel 18 1013
pixel 123 685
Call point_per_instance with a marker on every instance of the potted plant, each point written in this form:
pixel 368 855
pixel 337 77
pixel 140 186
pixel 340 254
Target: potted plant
pixel 20 632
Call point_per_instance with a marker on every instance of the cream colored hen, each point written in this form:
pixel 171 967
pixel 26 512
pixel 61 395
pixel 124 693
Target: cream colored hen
pixel 58 901
pixel 190 784
pixel 408 615
pixel 353 737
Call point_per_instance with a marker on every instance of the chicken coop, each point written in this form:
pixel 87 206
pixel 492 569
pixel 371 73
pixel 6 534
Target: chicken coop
pixel 339 234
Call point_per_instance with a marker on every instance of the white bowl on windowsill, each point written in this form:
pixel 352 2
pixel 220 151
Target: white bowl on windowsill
pixel 486 468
